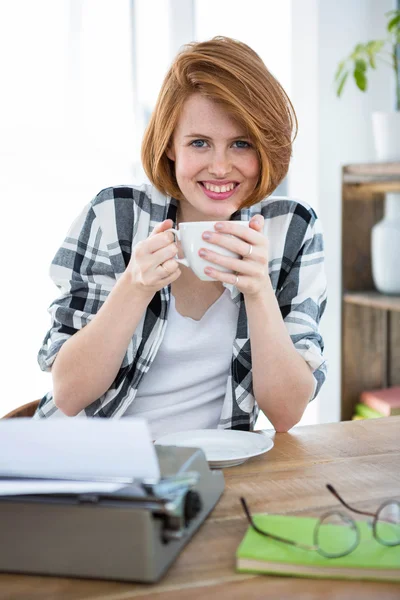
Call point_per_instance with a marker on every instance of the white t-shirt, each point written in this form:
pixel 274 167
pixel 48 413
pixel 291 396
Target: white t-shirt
pixel 186 383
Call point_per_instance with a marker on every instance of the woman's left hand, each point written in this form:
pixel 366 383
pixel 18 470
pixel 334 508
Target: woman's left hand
pixel 250 271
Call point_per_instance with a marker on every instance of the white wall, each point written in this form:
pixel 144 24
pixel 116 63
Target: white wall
pixel 333 132
pixel 65 133
pixel 261 25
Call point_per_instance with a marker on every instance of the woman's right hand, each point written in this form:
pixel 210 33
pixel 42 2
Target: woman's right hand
pixel 152 265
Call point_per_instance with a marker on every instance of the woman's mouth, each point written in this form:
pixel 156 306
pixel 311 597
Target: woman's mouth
pixel 219 192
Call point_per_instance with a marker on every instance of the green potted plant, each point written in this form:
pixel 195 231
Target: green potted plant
pixel 386 125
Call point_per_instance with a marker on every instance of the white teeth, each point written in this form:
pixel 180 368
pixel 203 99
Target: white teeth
pixel 219 189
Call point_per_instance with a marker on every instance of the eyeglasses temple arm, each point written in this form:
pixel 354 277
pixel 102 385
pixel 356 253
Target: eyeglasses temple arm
pixel 274 537
pixel 338 497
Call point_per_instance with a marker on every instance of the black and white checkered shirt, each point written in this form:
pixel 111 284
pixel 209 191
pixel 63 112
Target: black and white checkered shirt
pixel 97 250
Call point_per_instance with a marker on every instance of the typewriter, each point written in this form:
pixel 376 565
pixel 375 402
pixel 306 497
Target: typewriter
pixel 132 534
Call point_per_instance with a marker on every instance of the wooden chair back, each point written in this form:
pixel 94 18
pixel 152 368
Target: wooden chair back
pixel 26 410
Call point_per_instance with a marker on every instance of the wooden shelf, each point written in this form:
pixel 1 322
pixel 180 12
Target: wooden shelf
pixel 370 341
pixel 373 299
pixel 370 178
pixel 371 172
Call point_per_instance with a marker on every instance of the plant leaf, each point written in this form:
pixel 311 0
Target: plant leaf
pixel 393 24
pixel 359 49
pixel 340 69
pixel 360 65
pixel 374 46
pixel 360 79
pixel 341 84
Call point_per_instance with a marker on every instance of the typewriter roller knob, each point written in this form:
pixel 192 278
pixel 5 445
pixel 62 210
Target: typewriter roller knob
pixel 193 506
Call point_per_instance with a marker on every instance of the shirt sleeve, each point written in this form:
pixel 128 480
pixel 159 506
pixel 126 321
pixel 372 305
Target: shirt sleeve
pixel 82 271
pixel 302 301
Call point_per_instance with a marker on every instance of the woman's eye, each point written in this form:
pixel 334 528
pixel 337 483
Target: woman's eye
pixel 198 143
pixel 242 144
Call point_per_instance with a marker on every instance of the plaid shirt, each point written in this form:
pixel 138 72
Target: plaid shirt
pixel 97 250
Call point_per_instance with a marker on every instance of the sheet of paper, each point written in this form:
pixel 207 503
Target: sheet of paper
pixel 14 487
pixel 76 449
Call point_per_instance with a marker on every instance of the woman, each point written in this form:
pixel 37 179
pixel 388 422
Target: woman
pixel 134 333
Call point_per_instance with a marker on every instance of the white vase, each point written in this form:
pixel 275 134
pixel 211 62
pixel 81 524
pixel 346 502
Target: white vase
pixel 385 248
pixel 386 130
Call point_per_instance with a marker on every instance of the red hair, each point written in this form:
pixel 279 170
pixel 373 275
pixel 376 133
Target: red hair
pixel 231 73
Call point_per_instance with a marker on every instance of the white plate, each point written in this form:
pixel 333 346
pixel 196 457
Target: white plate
pixel 222 447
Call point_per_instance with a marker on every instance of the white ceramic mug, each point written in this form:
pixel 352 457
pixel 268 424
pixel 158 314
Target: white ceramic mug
pixel 190 236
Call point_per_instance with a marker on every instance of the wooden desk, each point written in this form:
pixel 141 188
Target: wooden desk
pixel 362 460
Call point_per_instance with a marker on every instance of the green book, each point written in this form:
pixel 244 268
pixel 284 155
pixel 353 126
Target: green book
pixel 259 554
pixel 365 411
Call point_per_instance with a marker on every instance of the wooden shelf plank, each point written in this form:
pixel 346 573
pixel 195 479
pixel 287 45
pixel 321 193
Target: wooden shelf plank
pixel 371 172
pixel 373 299
pixel 360 181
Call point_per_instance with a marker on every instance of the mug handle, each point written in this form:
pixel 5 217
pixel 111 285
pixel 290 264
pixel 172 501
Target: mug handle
pixel 176 234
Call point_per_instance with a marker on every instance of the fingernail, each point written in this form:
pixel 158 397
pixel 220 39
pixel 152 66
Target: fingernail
pixel 207 271
pixel 219 226
pixel 202 253
pixel 206 236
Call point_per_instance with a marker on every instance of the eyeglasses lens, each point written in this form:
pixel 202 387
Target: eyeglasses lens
pixel 387 527
pixel 336 535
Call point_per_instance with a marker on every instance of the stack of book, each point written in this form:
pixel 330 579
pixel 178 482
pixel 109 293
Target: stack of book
pixel 378 403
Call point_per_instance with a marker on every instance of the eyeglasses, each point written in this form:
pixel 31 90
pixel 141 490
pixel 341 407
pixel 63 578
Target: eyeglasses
pixel 336 534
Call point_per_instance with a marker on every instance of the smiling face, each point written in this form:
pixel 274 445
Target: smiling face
pixel 216 164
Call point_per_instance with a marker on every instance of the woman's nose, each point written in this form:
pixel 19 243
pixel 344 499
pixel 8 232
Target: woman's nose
pixel 220 164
